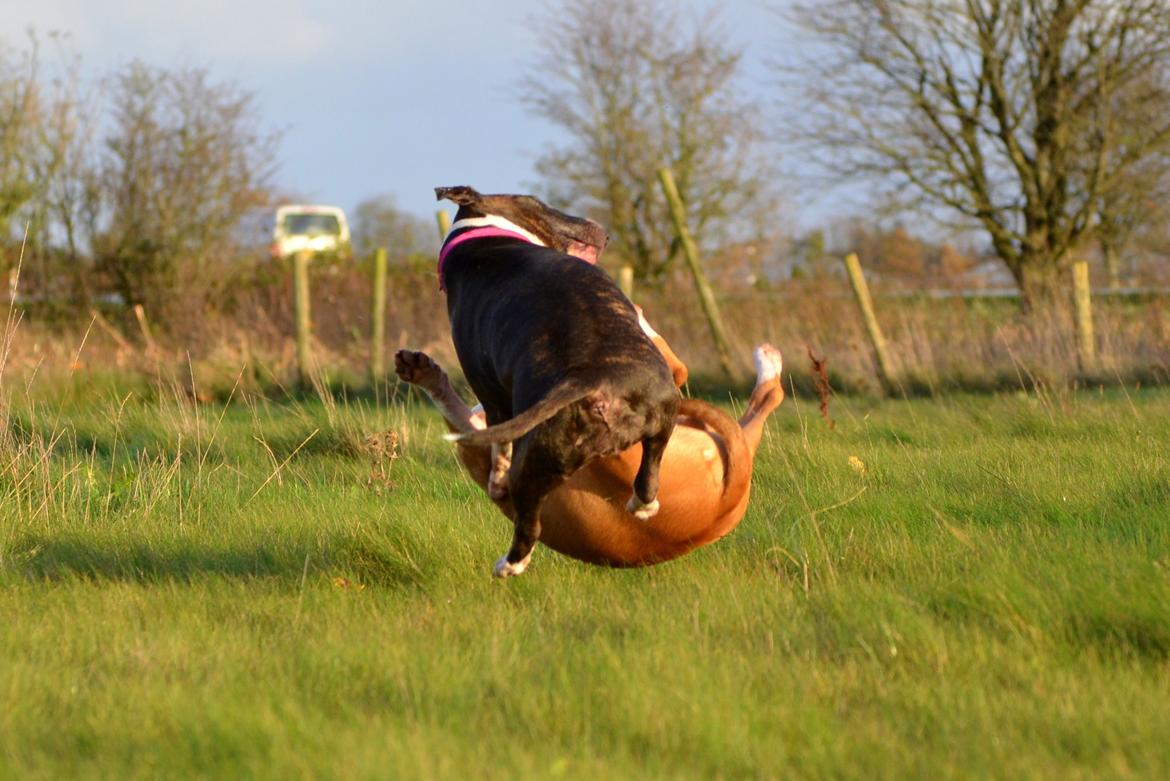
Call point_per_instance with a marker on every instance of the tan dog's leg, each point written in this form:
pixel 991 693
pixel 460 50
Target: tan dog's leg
pixel 418 368
pixel 498 480
pixel 766 396
pixel 678 369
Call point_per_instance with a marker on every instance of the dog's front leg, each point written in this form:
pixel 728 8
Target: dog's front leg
pixel 498 479
pixel 678 369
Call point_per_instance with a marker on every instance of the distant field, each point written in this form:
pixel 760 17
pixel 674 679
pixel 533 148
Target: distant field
pixel 967 587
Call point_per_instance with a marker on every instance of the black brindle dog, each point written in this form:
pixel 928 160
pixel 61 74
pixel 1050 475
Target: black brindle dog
pixel 553 350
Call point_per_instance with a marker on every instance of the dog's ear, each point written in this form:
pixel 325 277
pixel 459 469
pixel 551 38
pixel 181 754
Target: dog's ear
pixel 462 195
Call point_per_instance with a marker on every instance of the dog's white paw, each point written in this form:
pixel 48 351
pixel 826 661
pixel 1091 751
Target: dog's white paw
pixel 506 569
pixel 643 512
pixel 769 363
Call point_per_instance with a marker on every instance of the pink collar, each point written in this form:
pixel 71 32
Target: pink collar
pixel 487 232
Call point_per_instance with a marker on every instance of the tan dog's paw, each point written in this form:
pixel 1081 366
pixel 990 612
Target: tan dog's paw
pixel 769 363
pixel 498 479
pixel 418 368
pixel 498 487
pixel 643 512
pixel 505 569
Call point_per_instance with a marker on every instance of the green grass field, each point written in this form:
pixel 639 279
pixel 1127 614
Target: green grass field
pixel 969 587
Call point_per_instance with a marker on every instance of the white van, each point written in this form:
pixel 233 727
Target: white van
pixel 318 229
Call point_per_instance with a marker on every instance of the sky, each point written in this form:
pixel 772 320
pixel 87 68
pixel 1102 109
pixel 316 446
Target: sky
pixel 370 96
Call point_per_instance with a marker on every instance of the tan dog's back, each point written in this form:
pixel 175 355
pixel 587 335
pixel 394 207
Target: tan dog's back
pixel 585 518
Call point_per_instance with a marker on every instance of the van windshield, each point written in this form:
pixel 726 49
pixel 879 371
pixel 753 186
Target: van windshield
pixel 311 225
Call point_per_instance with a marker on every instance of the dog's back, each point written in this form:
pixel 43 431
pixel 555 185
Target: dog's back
pixel 523 318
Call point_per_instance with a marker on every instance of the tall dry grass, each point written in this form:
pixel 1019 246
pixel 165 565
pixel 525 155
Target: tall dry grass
pixel 937 344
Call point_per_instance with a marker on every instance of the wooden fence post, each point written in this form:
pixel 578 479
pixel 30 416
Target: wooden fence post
pixel 625 280
pixel 444 220
pixel 378 317
pixel 1082 299
pixel 865 301
pixel 301 315
pixel 140 315
pixel 691 253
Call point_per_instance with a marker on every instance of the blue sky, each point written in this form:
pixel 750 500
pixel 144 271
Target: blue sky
pixel 372 96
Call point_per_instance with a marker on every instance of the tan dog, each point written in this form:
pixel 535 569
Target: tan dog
pixel 705 473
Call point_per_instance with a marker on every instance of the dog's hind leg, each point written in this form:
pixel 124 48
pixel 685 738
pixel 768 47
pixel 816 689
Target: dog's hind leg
pixel 766 396
pixel 530 481
pixel 644 503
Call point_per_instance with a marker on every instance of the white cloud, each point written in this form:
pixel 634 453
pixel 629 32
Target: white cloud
pixel 250 33
pixel 265 35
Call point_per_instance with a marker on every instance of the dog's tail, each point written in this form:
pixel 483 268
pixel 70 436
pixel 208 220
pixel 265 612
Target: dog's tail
pixel 561 396
pixel 737 472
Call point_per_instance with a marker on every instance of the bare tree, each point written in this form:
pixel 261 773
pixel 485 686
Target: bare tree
pixel 36 129
pixel 636 89
pixel 60 160
pixel 1125 212
pixel 1025 118
pixel 43 138
pixel 183 162
pixel 22 123
pixel 1147 258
